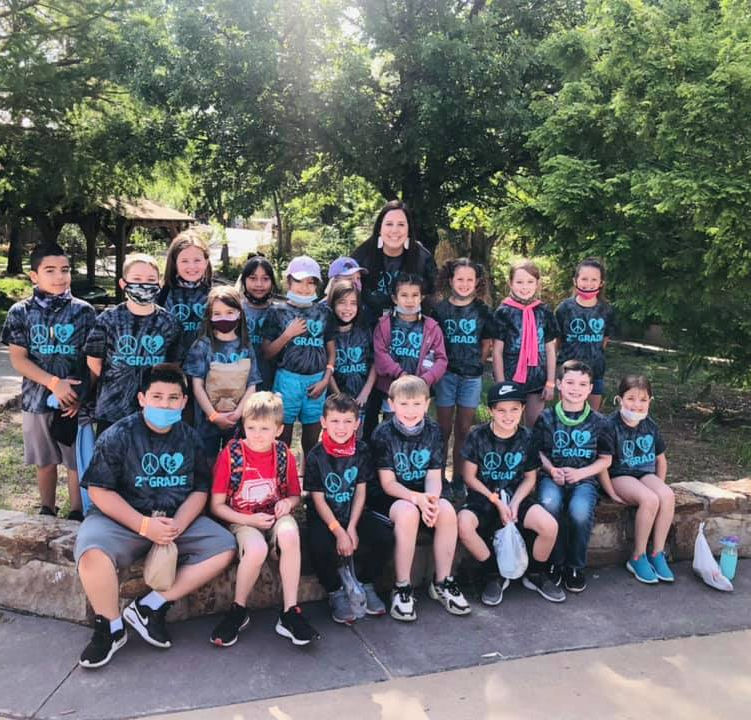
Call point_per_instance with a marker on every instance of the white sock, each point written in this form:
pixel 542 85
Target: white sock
pixel 153 600
pixel 116 624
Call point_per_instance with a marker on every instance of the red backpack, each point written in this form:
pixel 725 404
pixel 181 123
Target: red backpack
pixel 236 469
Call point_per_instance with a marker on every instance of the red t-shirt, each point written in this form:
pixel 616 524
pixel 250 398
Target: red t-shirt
pixel 259 489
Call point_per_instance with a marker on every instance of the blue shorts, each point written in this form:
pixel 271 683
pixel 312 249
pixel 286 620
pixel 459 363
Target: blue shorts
pixel 454 389
pixel 293 388
pixel 598 386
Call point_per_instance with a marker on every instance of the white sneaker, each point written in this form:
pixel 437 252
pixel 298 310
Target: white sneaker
pixel 450 596
pixel 403 603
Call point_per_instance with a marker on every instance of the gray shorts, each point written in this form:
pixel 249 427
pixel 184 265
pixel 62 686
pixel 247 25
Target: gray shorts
pixel 203 539
pixel 38 446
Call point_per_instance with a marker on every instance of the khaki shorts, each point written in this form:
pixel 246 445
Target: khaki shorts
pixel 39 448
pixel 243 532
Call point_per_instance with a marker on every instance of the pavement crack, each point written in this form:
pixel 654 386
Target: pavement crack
pixel 54 690
pixel 372 653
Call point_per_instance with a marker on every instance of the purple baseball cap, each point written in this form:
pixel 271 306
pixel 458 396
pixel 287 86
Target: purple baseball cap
pixel 302 267
pixel 344 267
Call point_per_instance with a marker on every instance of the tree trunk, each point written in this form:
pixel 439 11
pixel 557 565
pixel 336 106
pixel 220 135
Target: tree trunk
pixel 90 225
pixel 123 229
pixel 15 249
pixel 49 227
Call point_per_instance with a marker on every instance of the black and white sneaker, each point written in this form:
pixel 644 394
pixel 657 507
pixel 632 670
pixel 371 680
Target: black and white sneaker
pixel 226 632
pixel 492 593
pixel 543 584
pixel 149 624
pixel 403 603
pixel 575 580
pixel 555 574
pixel 293 625
pixel 104 644
pixel 449 595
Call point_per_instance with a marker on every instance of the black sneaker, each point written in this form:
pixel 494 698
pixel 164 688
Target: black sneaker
pixel 104 644
pixel 293 625
pixel 543 584
pixel 48 511
pixel 574 580
pixel 149 624
pixel 75 515
pixel 226 632
pixel 555 574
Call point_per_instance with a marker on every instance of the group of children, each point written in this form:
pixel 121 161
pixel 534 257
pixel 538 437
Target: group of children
pixel 257 363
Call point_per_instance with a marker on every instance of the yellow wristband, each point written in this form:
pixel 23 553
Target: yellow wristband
pixel 214 415
pixel 144 525
pixel 334 525
pixel 53 383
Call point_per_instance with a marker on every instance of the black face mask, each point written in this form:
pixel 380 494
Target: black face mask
pixel 142 293
pixel 257 301
pixel 225 325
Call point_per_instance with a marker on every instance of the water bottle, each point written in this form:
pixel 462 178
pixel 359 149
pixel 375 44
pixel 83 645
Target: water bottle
pixel 353 588
pixel 729 556
pixel 429 360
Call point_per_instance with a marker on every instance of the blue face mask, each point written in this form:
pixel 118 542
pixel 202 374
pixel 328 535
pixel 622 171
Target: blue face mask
pixel 301 300
pixel 403 311
pixel 162 418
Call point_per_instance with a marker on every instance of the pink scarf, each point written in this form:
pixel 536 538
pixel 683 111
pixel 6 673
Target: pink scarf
pixel 528 355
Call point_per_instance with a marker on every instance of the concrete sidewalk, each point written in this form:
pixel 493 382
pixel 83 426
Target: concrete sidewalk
pixel 39 676
pixel 10 381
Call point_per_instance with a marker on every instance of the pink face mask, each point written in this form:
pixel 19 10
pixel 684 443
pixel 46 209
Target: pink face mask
pixel 588 294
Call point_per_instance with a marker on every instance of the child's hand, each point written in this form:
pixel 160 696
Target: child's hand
pixel 64 391
pixel 362 399
pixel 315 390
pixel 344 544
pixel 548 393
pixel 353 536
pixel 572 475
pixel 558 476
pixel 513 507
pixel 223 422
pixel 297 327
pixel 615 497
pixel 161 530
pixel 428 505
pixel 72 410
pixel 235 415
pixel 283 507
pixel 262 521
pixel 505 512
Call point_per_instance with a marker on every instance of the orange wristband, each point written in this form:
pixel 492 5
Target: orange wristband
pixel 144 525
pixel 213 416
pixel 334 525
pixel 53 383
pixel 550 384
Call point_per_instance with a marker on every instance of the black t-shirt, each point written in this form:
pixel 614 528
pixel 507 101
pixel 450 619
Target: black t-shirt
pixel 635 449
pixel 337 478
pixel 149 470
pixel 408 457
pixel 306 353
pixel 464 329
pixel 54 340
pixel 128 345
pixel 583 330
pixel 508 326
pixel 354 358
pixel 572 446
pixel 406 343
pixel 501 462
pixel 188 307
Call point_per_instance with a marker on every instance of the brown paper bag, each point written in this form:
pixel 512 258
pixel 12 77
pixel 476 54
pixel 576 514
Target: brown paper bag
pixel 160 566
pixel 226 384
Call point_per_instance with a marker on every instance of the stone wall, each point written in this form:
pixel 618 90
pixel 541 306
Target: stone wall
pixel 37 572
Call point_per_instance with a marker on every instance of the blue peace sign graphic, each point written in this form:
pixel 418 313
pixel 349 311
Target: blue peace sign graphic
pixel 398 338
pixel 491 461
pixel 150 463
pixel 127 345
pixel 628 448
pixel 341 357
pixel 181 312
pixel 39 334
pixel 332 483
pixel 449 326
pixel 561 439
pixel 401 463
pixel 577 326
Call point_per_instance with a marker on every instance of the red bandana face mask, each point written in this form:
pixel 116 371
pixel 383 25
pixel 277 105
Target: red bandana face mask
pixel 587 294
pixel 336 449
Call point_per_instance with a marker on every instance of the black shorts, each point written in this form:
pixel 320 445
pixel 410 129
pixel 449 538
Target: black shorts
pixel 489 519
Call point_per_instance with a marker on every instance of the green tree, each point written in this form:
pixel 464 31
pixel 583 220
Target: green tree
pixel 644 157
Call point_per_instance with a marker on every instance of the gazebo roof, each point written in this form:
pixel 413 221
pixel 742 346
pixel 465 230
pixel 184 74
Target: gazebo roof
pixel 143 210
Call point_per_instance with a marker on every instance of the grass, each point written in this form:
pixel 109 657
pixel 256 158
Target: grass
pixel 12 289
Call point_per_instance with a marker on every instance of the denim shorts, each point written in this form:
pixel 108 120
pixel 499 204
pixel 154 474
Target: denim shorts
pixel 293 388
pixel 454 389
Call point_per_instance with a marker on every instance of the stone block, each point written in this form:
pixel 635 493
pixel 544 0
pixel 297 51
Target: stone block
pixel 739 524
pixel 718 500
pixel 742 487
pixel 687 503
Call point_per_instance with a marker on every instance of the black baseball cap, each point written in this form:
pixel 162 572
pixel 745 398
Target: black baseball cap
pixel 507 390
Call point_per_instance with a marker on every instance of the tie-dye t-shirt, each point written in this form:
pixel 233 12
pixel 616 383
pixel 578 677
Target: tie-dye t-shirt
pixel 406 343
pixel 255 317
pixel 354 358
pixel 464 329
pixel 583 331
pixel 188 306
pixel 635 449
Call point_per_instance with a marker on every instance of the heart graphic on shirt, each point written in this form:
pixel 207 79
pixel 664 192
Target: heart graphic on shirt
pixel 350 475
pixel 628 448
pixel 540 333
pixel 332 483
pixel 645 443
pixel 315 327
pixel 250 323
pixel 199 309
pixel 512 459
pixel 597 324
pixel 354 354
pixel 467 325
pixel 152 343
pixel 63 333
pixel 171 463
pixel 419 458
pixel 581 437
pixel 415 340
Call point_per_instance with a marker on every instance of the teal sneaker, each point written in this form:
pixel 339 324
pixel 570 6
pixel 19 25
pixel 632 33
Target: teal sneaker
pixel 642 570
pixel 661 567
